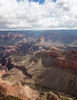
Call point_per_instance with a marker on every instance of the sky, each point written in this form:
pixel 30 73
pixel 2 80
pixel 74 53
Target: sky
pixel 38 14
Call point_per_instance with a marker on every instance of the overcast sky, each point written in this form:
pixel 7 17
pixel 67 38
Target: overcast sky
pixel 38 14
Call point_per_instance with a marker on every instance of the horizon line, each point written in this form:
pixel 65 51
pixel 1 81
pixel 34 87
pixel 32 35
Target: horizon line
pixel 38 30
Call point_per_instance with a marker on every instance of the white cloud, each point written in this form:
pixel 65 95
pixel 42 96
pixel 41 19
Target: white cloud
pixel 32 15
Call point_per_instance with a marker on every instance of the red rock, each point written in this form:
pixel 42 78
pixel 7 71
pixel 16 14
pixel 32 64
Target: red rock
pixel 69 61
pixel 15 90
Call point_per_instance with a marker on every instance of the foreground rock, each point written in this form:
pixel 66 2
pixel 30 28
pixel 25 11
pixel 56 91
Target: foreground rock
pixel 61 73
pixel 49 70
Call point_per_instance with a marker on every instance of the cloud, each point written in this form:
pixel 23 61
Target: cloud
pixel 22 14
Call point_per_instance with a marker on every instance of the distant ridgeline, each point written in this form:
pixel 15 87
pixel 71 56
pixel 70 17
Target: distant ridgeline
pixel 40 32
pixel 61 36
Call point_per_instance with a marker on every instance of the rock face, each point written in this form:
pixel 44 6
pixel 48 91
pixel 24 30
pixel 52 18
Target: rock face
pixel 60 79
pixel 61 72
pixel 66 64
pixel 3 97
pixel 8 63
pixel 62 75
pixel 48 58
pixel 60 59
pixel 2 72
pixel 19 92
pixel 15 90
pixel 69 60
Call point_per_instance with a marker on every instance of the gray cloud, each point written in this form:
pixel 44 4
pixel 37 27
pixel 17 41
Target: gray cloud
pixel 61 4
pixel 66 8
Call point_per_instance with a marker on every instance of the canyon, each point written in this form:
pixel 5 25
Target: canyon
pixel 35 69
